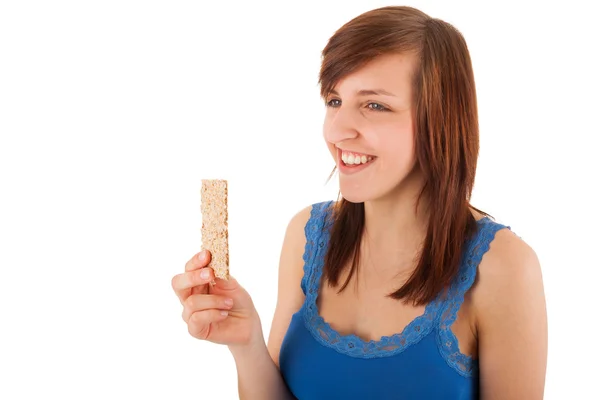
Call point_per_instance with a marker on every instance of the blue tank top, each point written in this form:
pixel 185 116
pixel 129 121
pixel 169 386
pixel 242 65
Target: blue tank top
pixel 421 362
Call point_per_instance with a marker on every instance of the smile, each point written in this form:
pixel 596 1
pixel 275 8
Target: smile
pixel 352 158
pixel 350 162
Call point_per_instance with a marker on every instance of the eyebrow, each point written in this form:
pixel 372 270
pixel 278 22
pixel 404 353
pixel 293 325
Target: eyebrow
pixel 370 92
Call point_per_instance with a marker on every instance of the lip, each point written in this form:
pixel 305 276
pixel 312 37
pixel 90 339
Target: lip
pixel 344 169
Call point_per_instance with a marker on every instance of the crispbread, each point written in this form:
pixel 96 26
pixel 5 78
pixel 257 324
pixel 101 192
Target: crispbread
pixel 214 225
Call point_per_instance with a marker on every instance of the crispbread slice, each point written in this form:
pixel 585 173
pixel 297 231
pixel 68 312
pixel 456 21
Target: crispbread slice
pixel 214 225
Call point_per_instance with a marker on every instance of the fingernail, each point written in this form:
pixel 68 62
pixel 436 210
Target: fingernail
pixel 204 274
pixel 202 255
pixel 224 313
pixel 228 302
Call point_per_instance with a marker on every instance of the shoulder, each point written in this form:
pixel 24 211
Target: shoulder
pixel 510 267
pixel 510 317
pixel 313 214
pixel 299 229
pixel 290 293
pixel 302 225
pixel 298 221
pixel 294 242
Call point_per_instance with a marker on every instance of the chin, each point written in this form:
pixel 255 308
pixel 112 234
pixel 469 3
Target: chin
pixel 355 200
pixel 355 194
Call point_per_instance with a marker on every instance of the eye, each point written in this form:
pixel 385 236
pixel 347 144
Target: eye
pixel 334 103
pixel 377 107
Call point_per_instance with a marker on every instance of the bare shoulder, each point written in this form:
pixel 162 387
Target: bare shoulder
pixel 291 270
pixel 510 313
pixel 509 266
pixel 295 229
pixel 294 243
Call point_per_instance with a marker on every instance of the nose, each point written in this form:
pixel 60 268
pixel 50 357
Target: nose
pixel 340 124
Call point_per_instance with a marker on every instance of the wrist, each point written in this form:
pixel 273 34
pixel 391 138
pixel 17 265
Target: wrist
pixel 254 346
pixel 254 343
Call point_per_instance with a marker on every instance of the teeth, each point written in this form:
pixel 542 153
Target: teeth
pixel 355 159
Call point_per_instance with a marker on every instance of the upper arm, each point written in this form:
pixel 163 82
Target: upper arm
pixel 511 321
pixel 289 293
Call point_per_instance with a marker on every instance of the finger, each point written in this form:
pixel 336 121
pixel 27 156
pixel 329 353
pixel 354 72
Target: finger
pixel 226 284
pixel 183 283
pixel 199 260
pixel 200 322
pixel 202 302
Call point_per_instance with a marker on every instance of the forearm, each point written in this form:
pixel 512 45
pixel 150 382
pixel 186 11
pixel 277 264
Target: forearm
pixel 258 376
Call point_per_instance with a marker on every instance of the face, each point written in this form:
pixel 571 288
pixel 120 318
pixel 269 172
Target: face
pixel 369 129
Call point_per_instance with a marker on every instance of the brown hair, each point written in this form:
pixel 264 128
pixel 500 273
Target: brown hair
pixel 446 139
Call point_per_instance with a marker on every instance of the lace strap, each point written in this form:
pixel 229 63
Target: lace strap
pixel 475 249
pixel 313 231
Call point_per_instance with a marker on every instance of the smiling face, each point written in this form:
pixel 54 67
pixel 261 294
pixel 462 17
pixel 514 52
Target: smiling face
pixel 368 129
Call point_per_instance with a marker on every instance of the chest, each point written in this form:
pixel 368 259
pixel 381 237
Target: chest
pixel 369 313
pixel 314 371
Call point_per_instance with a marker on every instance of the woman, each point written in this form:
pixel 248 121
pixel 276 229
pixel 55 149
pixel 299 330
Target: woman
pixel 401 289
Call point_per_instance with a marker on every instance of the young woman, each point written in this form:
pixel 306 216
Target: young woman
pixel 401 289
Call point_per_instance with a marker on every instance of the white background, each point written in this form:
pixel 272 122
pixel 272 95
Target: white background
pixel 111 113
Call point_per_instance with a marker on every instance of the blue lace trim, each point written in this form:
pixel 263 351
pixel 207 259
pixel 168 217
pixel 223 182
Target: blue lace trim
pixel 352 345
pixel 447 341
pixel 439 314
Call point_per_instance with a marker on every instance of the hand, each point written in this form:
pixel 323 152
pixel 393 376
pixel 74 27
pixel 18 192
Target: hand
pixel 222 313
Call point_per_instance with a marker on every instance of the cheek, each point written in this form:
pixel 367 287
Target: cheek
pixel 332 150
pixel 326 127
pixel 330 146
pixel 399 150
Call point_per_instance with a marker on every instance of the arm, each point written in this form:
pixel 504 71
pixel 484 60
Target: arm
pixel 258 364
pixel 289 293
pixel 511 321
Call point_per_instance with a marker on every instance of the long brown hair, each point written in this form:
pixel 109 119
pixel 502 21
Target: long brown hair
pixel 446 139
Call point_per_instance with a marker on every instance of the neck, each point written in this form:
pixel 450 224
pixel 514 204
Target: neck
pixel 394 227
